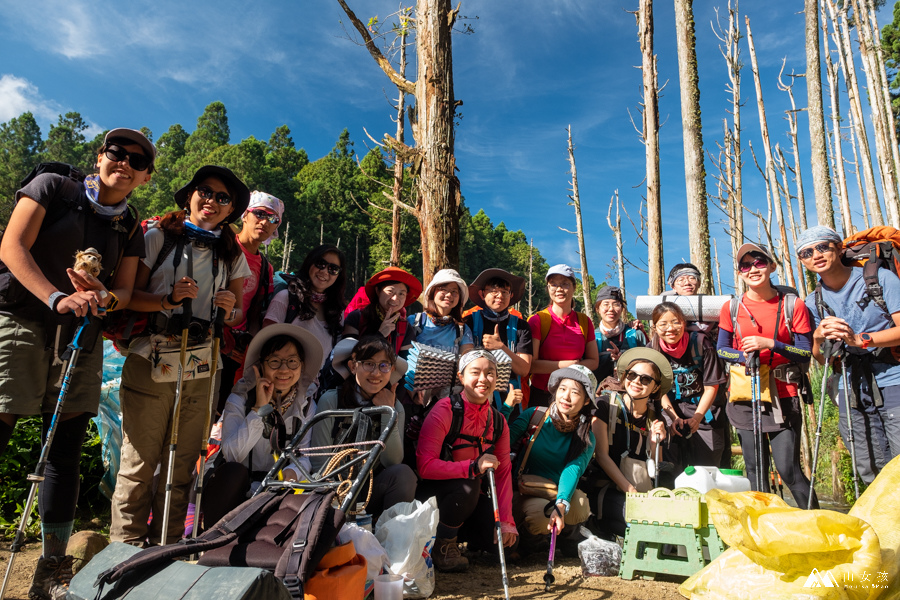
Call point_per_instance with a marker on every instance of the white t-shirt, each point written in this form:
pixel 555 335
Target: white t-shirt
pixel 164 278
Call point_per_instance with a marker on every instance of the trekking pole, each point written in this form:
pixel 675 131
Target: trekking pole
pixel 849 423
pixel 656 462
pixel 755 392
pixel 218 327
pixel 828 351
pixel 74 349
pixel 548 576
pixel 186 315
pixel 493 484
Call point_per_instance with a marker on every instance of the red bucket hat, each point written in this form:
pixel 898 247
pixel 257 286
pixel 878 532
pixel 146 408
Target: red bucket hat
pixel 399 275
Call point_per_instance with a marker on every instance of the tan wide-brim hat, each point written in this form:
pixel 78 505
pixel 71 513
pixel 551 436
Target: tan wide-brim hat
pixel 344 349
pixel 654 356
pixel 516 286
pixel 313 353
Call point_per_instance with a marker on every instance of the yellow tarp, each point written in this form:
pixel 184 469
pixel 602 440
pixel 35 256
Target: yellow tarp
pixel 779 552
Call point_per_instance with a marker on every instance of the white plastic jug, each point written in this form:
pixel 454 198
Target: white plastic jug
pixel 704 479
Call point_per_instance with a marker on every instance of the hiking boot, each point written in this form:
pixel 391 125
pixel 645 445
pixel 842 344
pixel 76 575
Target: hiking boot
pixel 51 578
pixel 447 558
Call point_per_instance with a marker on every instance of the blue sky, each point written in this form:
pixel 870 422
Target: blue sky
pixel 530 69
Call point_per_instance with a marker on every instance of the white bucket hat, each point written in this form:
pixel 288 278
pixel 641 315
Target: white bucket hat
pixel 449 276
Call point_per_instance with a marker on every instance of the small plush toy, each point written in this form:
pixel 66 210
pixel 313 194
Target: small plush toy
pixel 88 262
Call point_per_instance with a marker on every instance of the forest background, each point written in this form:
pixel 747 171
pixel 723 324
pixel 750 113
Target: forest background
pixel 294 83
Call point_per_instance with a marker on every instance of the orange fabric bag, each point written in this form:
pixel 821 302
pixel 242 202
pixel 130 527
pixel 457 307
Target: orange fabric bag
pixel 341 574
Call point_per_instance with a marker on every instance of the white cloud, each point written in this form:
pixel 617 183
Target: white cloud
pixel 18 95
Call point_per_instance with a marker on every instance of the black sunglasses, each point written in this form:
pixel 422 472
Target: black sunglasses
pixel 137 161
pixel 264 216
pixel 821 247
pixel 644 379
pixel 758 262
pixel 323 264
pixel 207 193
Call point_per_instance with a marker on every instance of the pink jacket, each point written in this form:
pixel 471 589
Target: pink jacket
pixel 431 439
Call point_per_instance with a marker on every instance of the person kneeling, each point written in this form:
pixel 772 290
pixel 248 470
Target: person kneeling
pixel 453 464
pixel 558 447
pixel 282 360
pixel 622 425
pixel 376 371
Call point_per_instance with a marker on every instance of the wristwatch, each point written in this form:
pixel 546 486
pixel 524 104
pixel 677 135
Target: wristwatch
pixel 866 340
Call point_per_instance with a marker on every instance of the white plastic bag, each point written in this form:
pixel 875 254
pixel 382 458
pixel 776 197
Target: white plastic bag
pixel 406 531
pixel 365 543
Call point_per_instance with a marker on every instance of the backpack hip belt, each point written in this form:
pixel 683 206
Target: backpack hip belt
pixel 861 367
pixel 788 373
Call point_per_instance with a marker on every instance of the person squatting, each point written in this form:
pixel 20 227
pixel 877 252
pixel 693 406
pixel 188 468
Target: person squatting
pixel 565 435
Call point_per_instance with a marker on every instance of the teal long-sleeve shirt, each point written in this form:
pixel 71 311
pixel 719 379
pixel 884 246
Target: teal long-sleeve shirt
pixel 549 453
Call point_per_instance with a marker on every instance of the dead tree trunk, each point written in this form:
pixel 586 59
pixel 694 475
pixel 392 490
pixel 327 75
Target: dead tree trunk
pixel 831 73
pixel 718 272
pixel 800 281
pixel 770 162
pixel 431 121
pixel 650 137
pixel 694 171
pixel 795 146
pixel 579 231
pixel 859 185
pixel 821 179
pixel 869 7
pixel 617 234
pixel 880 121
pixel 841 38
pixel 398 162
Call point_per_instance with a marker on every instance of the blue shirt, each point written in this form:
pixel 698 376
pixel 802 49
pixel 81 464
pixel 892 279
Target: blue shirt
pixel 441 337
pixel 844 304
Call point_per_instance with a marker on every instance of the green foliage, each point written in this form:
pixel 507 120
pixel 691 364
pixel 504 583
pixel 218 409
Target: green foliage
pixel 20 151
pixel 890 42
pixel 20 460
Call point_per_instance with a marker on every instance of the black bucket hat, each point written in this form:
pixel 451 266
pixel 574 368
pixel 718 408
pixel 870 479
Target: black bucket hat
pixel 241 199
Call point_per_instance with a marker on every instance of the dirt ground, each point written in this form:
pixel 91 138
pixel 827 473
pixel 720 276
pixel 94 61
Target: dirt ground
pixel 482 582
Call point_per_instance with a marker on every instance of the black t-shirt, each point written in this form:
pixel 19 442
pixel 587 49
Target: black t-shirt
pixel 627 428
pixel 69 226
pixel 354 318
pixel 691 381
pixel 523 332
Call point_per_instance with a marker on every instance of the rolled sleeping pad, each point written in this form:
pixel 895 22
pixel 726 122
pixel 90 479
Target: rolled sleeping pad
pixel 695 308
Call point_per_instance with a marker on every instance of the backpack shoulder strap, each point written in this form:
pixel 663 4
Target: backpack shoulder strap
pixel 512 332
pixel 735 305
pixel 546 321
pixel 531 433
pixel 613 417
pixel 457 415
pixel 402 324
pixel 586 326
pixel 790 301
pixel 477 326
pixel 498 424
pixel 874 290
pixel 315 533
pixel 696 354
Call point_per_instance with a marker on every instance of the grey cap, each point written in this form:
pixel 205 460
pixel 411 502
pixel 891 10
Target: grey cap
pixel 578 373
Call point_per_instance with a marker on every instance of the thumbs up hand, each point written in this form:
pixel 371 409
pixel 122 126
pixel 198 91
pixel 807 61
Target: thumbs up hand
pixel 493 341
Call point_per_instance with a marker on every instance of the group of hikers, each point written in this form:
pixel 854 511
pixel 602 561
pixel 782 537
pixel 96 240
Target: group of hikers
pixel 567 434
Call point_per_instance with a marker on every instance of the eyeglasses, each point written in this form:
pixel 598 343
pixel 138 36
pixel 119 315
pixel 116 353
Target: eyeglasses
pixel 137 161
pixel 687 279
pixel 566 285
pixel 821 248
pixel 264 216
pixel 207 193
pixel 323 264
pixel 666 325
pixel 758 262
pixel 497 292
pixel 369 366
pixel 645 380
pixel 276 363
pixel 450 290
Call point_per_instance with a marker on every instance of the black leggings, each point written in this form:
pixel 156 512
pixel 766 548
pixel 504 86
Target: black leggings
pixel 786 452
pixel 58 493
pixel 459 500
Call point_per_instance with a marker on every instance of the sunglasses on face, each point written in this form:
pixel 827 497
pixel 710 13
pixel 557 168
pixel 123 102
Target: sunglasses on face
pixel 262 215
pixel 644 380
pixel 137 161
pixel 821 248
pixel 759 263
pixel 276 363
pixel 207 193
pixel 369 366
pixel 323 264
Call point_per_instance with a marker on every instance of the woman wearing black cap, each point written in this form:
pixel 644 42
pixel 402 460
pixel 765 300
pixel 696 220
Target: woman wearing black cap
pixel 192 254
pixel 614 335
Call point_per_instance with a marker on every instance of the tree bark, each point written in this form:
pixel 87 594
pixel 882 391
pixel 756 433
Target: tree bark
pixel 885 84
pixel 579 232
pixel 434 165
pixel 880 120
pixel 655 261
pixel 694 170
pixel 821 178
pixel 770 162
pixel 398 161
pixel 617 234
pixel 842 40
pixel 859 185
